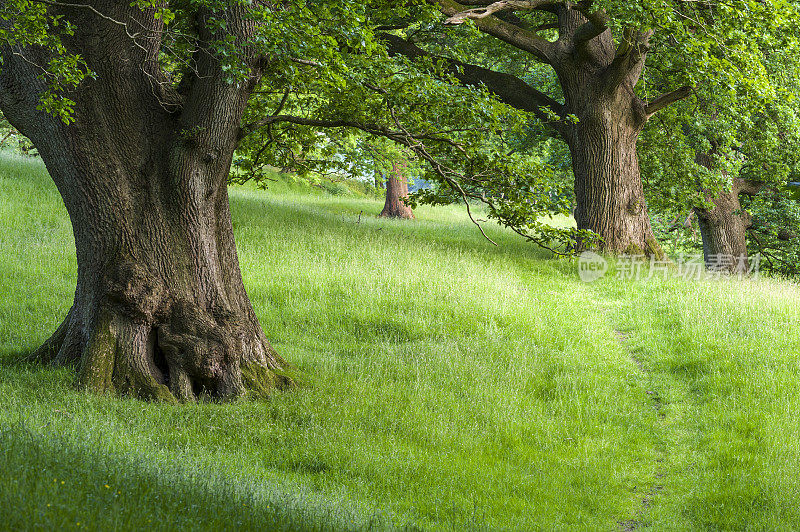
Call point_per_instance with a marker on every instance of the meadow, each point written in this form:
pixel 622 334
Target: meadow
pixel 448 385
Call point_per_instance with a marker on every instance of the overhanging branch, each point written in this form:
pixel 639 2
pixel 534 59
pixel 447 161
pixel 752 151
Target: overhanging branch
pixel 372 129
pixel 510 89
pixel 468 183
pixel 413 141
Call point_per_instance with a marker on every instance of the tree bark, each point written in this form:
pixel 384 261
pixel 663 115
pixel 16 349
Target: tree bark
pixel 396 190
pixel 608 187
pixel 160 309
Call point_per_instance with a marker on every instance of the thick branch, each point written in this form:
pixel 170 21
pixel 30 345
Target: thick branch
pixel 596 23
pixel 510 89
pixel 665 100
pixel 212 101
pixel 517 37
pixel 549 5
pixel 748 187
pixel 494 8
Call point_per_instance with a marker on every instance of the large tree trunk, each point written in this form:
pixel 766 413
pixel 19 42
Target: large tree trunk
pixel 396 190
pixel 724 229
pixel 608 187
pixel 598 85
pixel 160 310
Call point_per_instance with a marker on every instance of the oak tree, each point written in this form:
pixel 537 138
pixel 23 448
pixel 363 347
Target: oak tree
pixel 616 66
pixel 136 111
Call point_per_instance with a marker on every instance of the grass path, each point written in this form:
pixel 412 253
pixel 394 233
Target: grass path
pixel 718 361
pixel 656 423
pixel 663 452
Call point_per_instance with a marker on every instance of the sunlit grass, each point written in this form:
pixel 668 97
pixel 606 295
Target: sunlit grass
pixel 451 385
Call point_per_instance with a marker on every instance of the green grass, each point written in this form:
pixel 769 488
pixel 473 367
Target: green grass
pixel 452 385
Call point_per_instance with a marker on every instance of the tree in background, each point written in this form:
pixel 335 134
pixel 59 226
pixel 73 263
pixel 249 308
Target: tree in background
pixel 740 143
pixel 391 164
pixel 723 227
pixel 775 231
pixel 396 192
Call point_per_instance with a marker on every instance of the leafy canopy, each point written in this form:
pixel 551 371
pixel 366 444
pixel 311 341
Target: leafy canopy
pixel 330 80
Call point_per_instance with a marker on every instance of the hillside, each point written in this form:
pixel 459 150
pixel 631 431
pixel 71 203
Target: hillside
pixel 449 385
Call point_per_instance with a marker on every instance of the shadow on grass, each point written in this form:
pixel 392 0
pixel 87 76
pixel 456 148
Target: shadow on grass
pixel 11 358
pixel 20 358
pixel 58 473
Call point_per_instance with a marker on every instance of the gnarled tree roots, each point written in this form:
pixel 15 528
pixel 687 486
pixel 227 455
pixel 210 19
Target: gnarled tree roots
pixel 139 342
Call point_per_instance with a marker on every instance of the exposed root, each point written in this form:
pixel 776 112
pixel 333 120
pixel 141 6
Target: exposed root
pixel 115 360
pixel 181 354
pixel 260 382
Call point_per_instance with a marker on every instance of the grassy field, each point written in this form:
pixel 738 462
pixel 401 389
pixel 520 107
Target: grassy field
pixel 451 386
